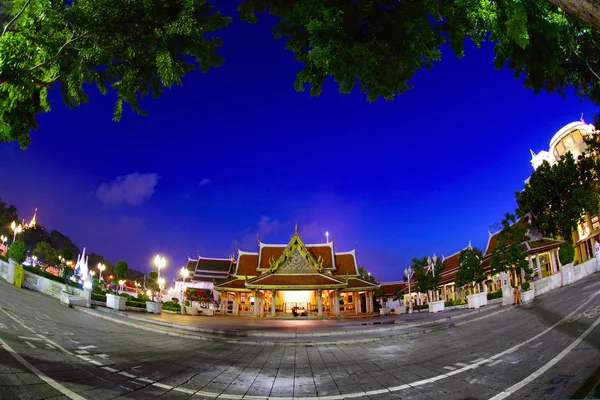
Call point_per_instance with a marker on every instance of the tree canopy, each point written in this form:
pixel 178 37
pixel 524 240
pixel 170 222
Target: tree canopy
pixel 17 251
pixel 560 195
pixel 426 279
pixel 121 268
pixel 470 269
pixel 46 254
pixel 8 214
pixel 138 48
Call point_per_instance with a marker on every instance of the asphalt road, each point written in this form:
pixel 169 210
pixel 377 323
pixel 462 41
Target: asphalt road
pixel 542 351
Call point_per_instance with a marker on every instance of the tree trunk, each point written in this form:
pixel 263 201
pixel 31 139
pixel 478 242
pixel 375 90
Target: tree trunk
pixel 586 10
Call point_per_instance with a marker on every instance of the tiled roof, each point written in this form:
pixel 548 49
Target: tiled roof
pixel 209 264
pixel 345 264
pixel 493 240
pixel 246 264
pixel 389 288
pixel 355 283
pixel 451 262
pixel 544 243
pixel 269 252
pixel 324 251
pixel 288 280
pixel 234 283
pixel 191 265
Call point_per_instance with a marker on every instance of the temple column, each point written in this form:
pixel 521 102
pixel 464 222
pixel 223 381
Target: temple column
pixel 552 262
pixel 236 304
pixel 357 302
pixel 337 302
pixel 273 294
pixel 371 305
pixel 256 304
pixel 320 303
pixel 539 266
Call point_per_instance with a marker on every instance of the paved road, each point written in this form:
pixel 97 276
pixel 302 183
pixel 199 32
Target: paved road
pixel 545 350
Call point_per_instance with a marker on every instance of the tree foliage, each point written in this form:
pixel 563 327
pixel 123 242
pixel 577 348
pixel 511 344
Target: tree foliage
pixel 426 280
pixel 510 250
pixel 134 47
pixel 566 253
pixel 560 195
pixel 121 268
pixel 17 251
pixel 382 43
pixel 46 254
pixel 470 269
pixel 8 214
pixel 60 241
pixel 66 253
pixel 34 235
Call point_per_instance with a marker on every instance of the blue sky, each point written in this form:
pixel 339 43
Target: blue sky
pixel 237 151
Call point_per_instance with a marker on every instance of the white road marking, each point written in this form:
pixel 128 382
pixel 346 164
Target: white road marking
pixel 103 356
pixel 49 346
pixel 479 359
pixel 98 363
pixel 536 345
pixel 547 366
pixel 496 362
pixel 33 339
pixel 41 375
pixel 134 368
pixel 450 368
pixel 30 345
pixel 109 369
pixel 126 374
pixel 87 347
pixel 82 352
pixel 145 380
pixel 463 364
pixel 162 386
pixel 74 341
pixel 232 396
pixel 3 326
pixel 18 321
pixel 56 345
pixel 190 391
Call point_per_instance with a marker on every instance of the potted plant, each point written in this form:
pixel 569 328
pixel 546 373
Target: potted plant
pixel 189 309
pixel 115 301
pixel 154 307
pixel 428 273
pixel 470 272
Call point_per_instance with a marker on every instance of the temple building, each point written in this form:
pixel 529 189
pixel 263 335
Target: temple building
pixel 204 273
pixel 571 139
pixel 311 279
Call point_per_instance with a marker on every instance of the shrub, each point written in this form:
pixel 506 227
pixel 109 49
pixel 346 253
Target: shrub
pixel 137 304
pixel 566 253
pixel 3 258
pixel 525 286
pixel 17 251
pixel 421 307
pixel 48 275
pixel 143 296
pixel 175 300
pixel 187 303
pixel 98 297
pixel 171 306
pixel 494 295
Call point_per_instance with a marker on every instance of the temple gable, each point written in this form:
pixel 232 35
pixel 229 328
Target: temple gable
pixel 295 263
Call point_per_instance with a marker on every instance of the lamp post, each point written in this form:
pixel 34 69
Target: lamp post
pixel 408 272
pixel 121 283
pixel 4 239
pixel 160 262
pixel 327 236
pixel 16 229
pixel 184 274
pixel 161 285
pixel 101 267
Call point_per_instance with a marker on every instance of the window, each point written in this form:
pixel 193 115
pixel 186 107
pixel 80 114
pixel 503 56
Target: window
pixel 577 135
pixel 560 147
pixel 595 222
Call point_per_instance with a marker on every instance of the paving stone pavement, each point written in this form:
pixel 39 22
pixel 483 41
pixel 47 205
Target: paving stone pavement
pixel 544 350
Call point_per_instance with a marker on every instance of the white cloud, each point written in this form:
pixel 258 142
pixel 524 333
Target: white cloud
pixel 204 182
pixel 131 189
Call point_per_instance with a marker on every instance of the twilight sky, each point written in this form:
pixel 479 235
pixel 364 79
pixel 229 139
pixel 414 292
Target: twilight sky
pixel 237 151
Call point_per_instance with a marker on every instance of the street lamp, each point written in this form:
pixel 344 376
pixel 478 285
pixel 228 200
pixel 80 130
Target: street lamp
pixel 121 283
pixel 16 229
pixel 34 259
pixel 184 274
pixel 327 236
pixel 161 285
pixel 408 272
pixel 4 239
pixel 160 262
pixel 101 267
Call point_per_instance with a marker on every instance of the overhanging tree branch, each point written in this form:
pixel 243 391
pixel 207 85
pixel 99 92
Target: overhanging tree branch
pixel 16 17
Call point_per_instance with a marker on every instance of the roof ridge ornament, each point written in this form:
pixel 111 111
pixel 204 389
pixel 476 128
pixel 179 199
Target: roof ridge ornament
pixel 296 228
pixel 257 239
pixel 469 246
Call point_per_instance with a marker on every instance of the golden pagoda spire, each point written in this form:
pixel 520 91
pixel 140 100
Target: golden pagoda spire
pixel 32 222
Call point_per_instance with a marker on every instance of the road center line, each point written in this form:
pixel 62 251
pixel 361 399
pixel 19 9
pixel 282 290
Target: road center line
pixel 547 366
pixel 40 374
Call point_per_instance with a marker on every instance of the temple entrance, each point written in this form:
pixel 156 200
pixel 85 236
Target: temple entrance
pixel 301 299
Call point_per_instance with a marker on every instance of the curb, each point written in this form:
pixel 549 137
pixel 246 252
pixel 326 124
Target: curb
pixel 238 333
pixel 275 343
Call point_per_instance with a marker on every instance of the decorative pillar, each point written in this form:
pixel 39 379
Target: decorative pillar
pixel 371 306
pixel 529 258
pixel 273 294
pixel 337 302
pixel 357 303
pixel 539 266
pixel 320 303
pixel 256 304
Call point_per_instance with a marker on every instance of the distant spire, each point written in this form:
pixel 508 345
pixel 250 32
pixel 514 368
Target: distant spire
pixel 257 239
pixel 582 120
pixel 532 153
pixel 296 228
pixel 469 246
pixel 490 234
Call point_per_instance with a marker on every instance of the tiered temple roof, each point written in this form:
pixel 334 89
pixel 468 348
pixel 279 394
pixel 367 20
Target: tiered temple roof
pixel 210 269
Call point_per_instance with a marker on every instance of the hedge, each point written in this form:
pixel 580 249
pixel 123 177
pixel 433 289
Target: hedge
pixel 137 304
pixel 171 306
pixel 50 276
pixel 98 297
pixel 494 295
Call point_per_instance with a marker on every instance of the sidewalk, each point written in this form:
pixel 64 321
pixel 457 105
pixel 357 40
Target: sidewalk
pixel 273 332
